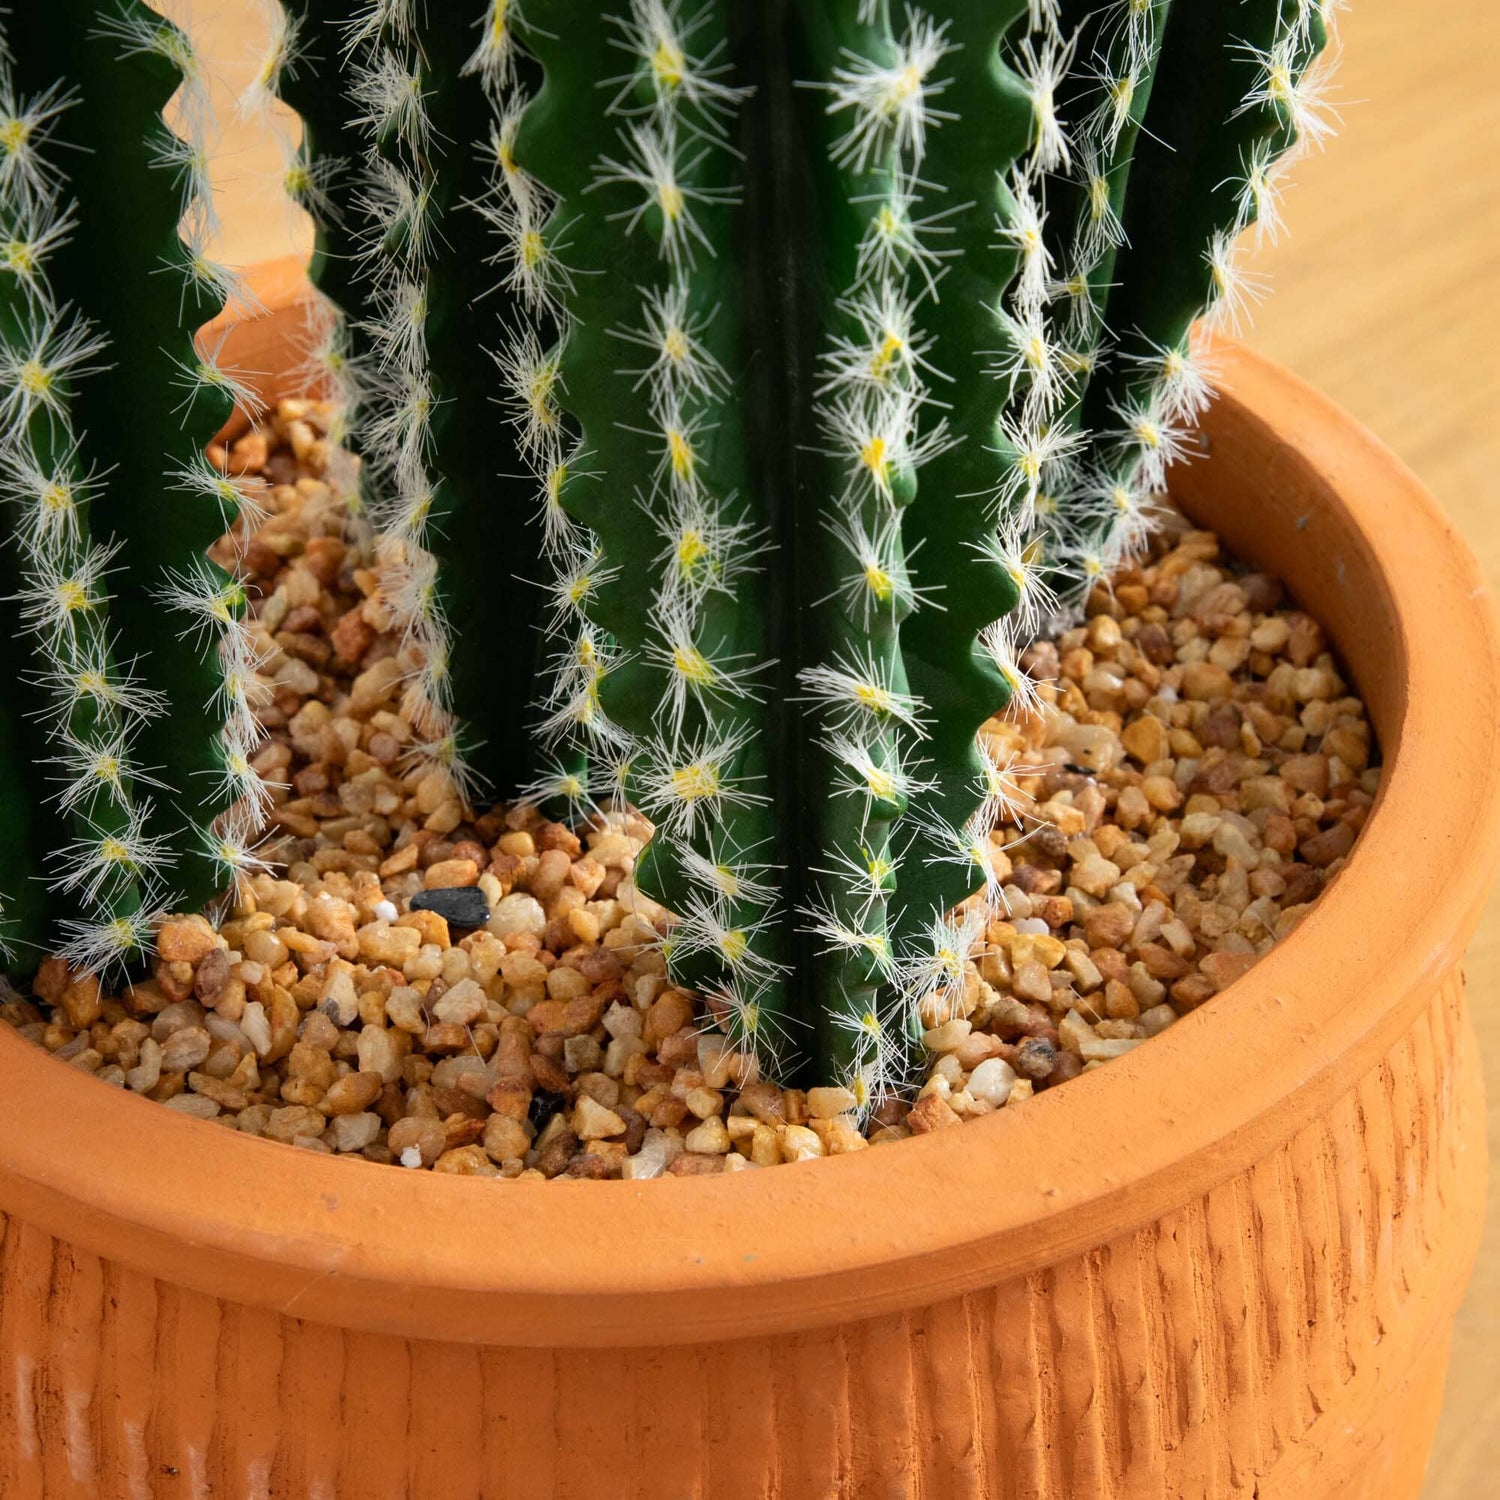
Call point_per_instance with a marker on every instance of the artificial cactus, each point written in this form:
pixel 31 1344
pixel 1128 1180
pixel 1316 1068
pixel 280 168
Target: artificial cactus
pixel 801 360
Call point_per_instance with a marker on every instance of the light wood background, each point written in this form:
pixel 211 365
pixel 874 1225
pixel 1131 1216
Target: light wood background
pixel 1387 297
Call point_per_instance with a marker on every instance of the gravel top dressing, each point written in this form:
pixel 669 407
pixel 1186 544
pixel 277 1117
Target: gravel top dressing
pixel 484 995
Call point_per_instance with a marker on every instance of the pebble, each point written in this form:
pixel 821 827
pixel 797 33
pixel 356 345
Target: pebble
pixel 592 1121
pixel 460 905
pixel 461 1005
pixel 388 946
pixel 656 1154
pixel 1224 968
pixel 505 1139
pixel 829 1103
pixel 1145 739
pixel 448 874
pixel 798 1143
pixel 1036 1058
pixel 930 1113
pixel 1030 981
pixel 424 1137
pixel 256 1027
pixel 353 1132
pixel 1205 681
pixel 185 1049
pixel 294 1120
pixel 185 939
pixel 708 1139
pixel 81 1002
pixel 1101 1049
pixel 992 1081
pixel 352 1093
pixel 1094 875
pixel 518 915
pixel 195 1105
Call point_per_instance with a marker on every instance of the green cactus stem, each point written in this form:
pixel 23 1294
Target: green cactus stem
pixel 402 143
pixel 307 65
pixel 1147 229
pixel 1196 190
pixel 790 334
pixel 107 408
pixel 24 835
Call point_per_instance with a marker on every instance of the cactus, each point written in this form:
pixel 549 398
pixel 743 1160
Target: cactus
pixel 126 723
pixel 802 361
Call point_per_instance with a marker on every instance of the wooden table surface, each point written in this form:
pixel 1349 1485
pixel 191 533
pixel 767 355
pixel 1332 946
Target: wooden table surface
pixel 1387 296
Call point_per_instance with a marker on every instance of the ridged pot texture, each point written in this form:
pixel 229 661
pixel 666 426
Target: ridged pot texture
pixel 1226 1265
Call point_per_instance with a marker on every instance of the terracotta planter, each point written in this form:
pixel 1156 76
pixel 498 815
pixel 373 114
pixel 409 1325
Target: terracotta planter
pixel 1226 1265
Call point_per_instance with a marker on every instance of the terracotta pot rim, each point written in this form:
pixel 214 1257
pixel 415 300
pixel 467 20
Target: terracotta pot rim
pixel 687 1259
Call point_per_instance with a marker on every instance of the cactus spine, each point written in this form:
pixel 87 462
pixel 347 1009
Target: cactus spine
pixel 801 360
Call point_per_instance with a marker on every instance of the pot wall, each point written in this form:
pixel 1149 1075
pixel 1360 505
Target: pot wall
pixel 1230 1272
pixel 1284 1335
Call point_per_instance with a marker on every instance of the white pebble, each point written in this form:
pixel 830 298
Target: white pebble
pixel 992 1081
pixel 411 1157
pixel 222 1029
pixel 946 1037
pixel 385 911
pixel 1101 1049
pixel 354 1132
pixel 653 1158
pixel 1033 925
pixel 256 1027
pixel 463 1004
pixel 518 912
pixel 1157 1018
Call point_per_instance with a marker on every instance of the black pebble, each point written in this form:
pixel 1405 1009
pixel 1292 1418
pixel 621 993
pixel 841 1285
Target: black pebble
pixel 460 905
pixel 544 1104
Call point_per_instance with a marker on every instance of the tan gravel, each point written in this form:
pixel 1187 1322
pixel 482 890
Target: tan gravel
pixel 1203 772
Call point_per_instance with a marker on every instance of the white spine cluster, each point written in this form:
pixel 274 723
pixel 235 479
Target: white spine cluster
pixel 280 56
pixel 95 707
pixel 1053 509
pixel 1048 316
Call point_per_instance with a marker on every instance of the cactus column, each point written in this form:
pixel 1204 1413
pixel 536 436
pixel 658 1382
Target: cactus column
pixel 396 171
pixel 106 410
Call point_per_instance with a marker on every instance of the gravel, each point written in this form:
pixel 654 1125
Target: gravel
pixel 480 994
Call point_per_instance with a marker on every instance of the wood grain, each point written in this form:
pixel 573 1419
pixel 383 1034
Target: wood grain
pixel 1387 297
